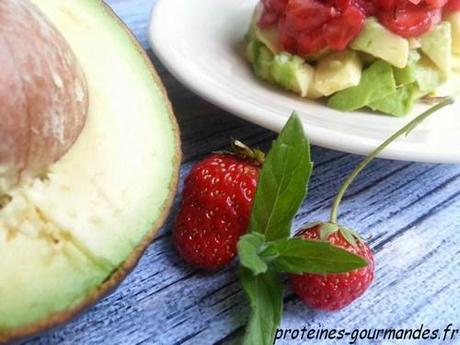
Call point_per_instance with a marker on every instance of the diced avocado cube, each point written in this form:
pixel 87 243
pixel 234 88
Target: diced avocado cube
pixel 450 88
pixel 314 93
pixel 261 59
pixel 428 76
pixel 263 63
pixel 268 36
pixel 366 58
pixel 456 63
pixel 377 82
pixel 336 72
pixel 377 40
pixel 414 43
pixel 398 103
pixel 437 45
pixel 252 51
pixel 454 19
pixel 407 75
pixel 292 73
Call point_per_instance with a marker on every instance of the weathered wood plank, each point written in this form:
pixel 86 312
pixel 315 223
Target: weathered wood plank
pixel 136 14
pixel 410 213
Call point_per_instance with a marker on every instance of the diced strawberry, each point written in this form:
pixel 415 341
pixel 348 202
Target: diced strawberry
pixel 309 26
pixel 408 19
pixel 452 5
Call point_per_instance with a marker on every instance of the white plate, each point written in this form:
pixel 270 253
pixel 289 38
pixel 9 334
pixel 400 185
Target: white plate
pixel 201 43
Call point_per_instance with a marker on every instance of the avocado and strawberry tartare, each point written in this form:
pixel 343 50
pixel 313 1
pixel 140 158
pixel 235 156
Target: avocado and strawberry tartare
pixel 383 55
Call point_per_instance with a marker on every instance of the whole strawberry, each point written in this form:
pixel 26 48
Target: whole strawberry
pixel 334 291
pixel 216 205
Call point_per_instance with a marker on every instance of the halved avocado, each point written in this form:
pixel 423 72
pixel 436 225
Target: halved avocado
pixel 69 237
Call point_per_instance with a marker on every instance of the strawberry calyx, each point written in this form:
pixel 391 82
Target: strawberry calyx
pixel 244 151
pixel 325 229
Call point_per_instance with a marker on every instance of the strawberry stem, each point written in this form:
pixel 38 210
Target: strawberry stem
pixel 243 150
pixel 404 130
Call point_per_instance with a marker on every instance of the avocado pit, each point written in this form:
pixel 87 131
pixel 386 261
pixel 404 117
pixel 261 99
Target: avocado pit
pixel 43 93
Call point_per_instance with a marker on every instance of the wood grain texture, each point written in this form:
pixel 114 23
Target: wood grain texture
pixel 409 212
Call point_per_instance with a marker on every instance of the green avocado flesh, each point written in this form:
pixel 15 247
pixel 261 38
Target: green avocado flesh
pixel 292 73
pixel 62 236
pixel 378 41
pixel 377 82
pixel 380 70
pixel 437 46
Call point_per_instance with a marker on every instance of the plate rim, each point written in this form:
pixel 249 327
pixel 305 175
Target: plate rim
pixel 247 112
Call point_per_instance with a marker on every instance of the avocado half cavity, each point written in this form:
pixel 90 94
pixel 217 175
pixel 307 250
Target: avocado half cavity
pixel 89 159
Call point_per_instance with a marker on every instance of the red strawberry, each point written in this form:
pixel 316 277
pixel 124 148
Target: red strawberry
pixel 216 205
pixel 334 291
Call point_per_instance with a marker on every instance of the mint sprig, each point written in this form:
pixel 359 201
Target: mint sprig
pixel 295 255
pixel 265 293
pixel 282 183
pixel 250 248
pixel 267 251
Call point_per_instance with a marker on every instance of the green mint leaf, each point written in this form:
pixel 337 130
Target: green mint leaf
pixel 308 256
pixel 270 253
pixel 282 183
pixel 265 293
pixel 249 248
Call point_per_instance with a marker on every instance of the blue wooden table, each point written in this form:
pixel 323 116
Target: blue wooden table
pixel 409 212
